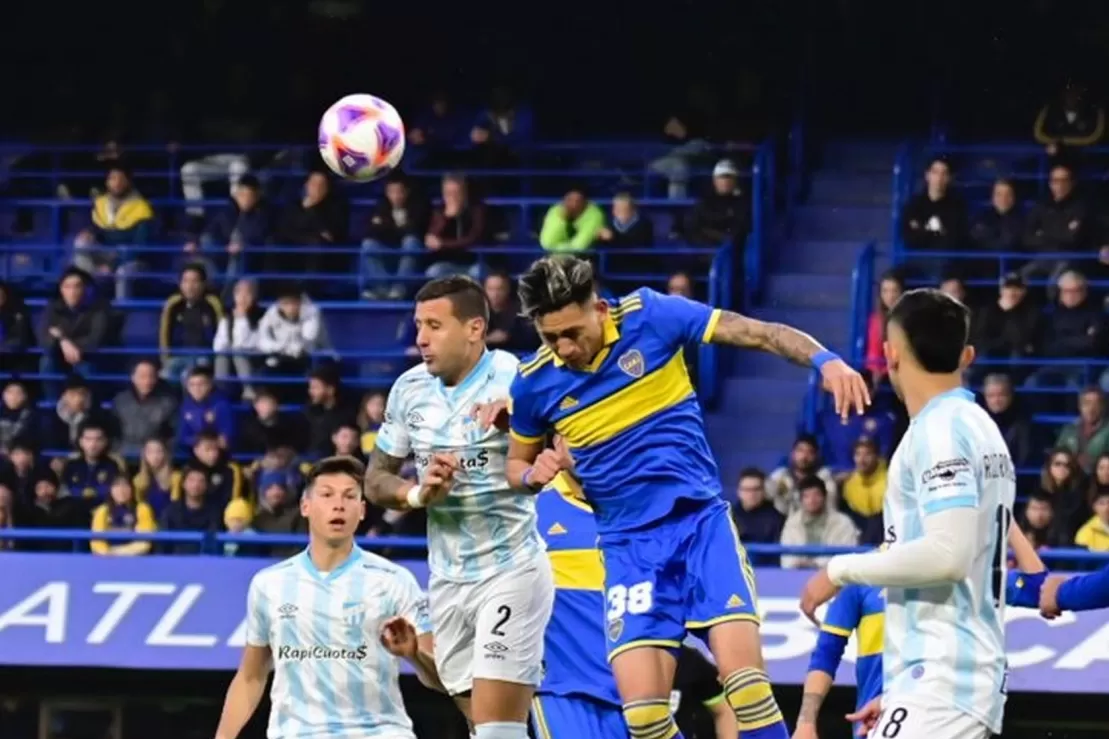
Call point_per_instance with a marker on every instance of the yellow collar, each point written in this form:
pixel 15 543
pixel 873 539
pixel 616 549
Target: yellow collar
pixel 611 336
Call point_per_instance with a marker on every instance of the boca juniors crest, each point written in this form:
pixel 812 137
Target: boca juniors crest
pixel 632 363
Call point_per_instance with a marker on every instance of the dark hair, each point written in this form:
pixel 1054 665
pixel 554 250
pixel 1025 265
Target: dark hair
pixel 327 373
pixel 812 482
pixel 152 361
pixel 554 282
pixel 752 472
pixel 940 159
pixel 206 435
pixel 251 181
pixel 466 296
pixel 91 425
pixel 197 267
pixel 868 442
pixel 290 291
pixel 202 370
pixel 936 327
pixel 337 465
pixel 809 439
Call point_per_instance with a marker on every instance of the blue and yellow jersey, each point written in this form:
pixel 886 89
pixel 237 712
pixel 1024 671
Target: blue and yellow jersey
pixel 575 650
pixel 631 419
pixel 859 608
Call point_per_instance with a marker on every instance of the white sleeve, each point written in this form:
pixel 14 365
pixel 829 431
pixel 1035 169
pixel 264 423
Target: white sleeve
pixel 257 618
pixel 267 335
pixel 222 341
pixel 942 555
pixel 412 604
pixel 310 327
pixel 392 437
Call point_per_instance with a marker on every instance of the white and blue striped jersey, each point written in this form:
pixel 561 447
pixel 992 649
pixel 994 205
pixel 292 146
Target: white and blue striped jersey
pixel 946 644
pixel 484 527
pixel 332 677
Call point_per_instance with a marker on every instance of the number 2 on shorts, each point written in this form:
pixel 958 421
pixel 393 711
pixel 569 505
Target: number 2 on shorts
pixel 505 613
pixel 635 599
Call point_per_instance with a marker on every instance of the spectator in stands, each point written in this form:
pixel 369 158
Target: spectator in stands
pixel 122 511
pixel 280 463
pixel 157 480
pixel 935 219
pixel 17 335
pixel 121 217
pixel 237 519
pixel 74 326
pixel 756 518
pixel 1039 525
pixel 194 510
pixel 572 225
pixel 686 131
pixel 1075 328
pixel 278 513
pixel 890 289
pixel 51 510
pixel 371 414
pixel 195 172
pixel 146 410
pixel 320 219
pixel 399 222
pixel 89 473
pixel 804 462
pixel 626 227
pixel 506 329
pixel 267 426
pixel 1071 121
pixel 247 225
pixel 1062 222
pixel 19 470
pixel 18 416
pixel 73 408
pixel 204 410
pixel 290 331
pixel 815 524
pixel 954 287
pixel 325 411
pixel 488 150
pixel 458 225
pixel 864 489
pixel 189 320
pixel 1088 436
pixel 6 522
pixel 999 228
pixel 510 124
pixel 1094 534
pixel 237 336
pixel 680 284
pixel 721 215
pixel 1062 481
pixel 1006 329
pixel 997 392
pixel 437 130
pixel 345 441
pixel 224 477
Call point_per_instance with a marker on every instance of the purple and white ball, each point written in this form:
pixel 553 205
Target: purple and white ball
pixel 361 138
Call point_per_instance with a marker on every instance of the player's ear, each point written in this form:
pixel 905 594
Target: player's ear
pixel 890 353
pixel 304 501
pixel 362 510
pixel 968 357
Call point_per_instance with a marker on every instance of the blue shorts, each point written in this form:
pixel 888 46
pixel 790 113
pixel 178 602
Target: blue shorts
pixel 687 572
pixel 576 717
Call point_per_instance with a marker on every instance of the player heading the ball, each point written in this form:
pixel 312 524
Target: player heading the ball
pixel 331 622
pixel 491 587
pixel 611 380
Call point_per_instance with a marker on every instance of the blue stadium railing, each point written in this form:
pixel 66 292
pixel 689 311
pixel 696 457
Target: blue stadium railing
pixel 764 218
pixel 210 542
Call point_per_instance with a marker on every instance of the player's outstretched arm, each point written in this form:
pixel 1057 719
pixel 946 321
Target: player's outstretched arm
pixel 384 485
pixel 245 692
pixel 817 685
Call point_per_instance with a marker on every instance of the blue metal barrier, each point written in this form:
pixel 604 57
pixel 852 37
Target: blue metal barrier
pixel 903 179
pixel 210 542
pixel 763 223
pixel 1008 261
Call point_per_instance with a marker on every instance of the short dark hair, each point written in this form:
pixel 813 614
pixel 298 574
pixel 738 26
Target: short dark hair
pixel 206 435
pixel 936 327
pixel 554 282
pixel 91 425
pixel 812 482
pixel 466 296
pixel 809 439
pixel 197 267
pixel 202 370
pixel 752 472
pixel 337 465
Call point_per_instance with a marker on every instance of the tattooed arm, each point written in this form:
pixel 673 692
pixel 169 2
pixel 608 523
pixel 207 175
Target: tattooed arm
pixel 734 329
pixel 384 485
pixel 817 685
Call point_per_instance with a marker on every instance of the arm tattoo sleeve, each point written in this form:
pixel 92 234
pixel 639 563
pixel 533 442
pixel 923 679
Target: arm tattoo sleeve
pixel 384 486
pixel 810 708
pixel 775 338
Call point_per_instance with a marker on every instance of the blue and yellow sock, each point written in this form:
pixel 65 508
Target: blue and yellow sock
pixel 756 711
pixel 651 719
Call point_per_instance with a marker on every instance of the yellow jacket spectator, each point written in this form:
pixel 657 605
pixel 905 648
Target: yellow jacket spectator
pixel 864 489
pixel 190 318
pixel 237 519
pixel 122 512
pixel 1094 534
pixel 157 483
pixel 90 471
pixel 225 478
pixel 121 215
pixel 572 225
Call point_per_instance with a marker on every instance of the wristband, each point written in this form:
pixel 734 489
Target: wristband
pixel 526 476
pixel 413 497
pixel 822 358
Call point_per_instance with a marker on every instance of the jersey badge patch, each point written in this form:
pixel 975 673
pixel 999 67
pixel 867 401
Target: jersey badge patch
pixel 631 362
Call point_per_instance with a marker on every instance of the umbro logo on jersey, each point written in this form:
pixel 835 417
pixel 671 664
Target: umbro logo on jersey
pixel 556 529
pixel 288 610
pixel 495 650
pixel 735 601
pixel 567 403
pixel 414 420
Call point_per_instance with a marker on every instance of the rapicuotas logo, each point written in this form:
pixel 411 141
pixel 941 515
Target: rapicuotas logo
pixel 319 652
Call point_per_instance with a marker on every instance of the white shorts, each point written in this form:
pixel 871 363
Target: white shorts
pixel 904 720
pixel 492 629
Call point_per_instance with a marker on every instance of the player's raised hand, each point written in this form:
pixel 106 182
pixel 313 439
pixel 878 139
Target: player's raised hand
pixel 563 450
pixel 399 638
pixel 493 413
pixel 545 467
pixel 818 590
pixel 847 387
pixel 438 478
pixel 867 716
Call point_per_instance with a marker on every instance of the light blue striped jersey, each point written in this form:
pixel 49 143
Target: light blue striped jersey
pixel 483 527
pixel 332 677
pixel 945 645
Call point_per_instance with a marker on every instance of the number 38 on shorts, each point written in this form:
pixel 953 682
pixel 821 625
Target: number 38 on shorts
pixel 635 599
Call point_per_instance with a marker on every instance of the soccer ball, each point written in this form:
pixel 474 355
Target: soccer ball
pixel 361 137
